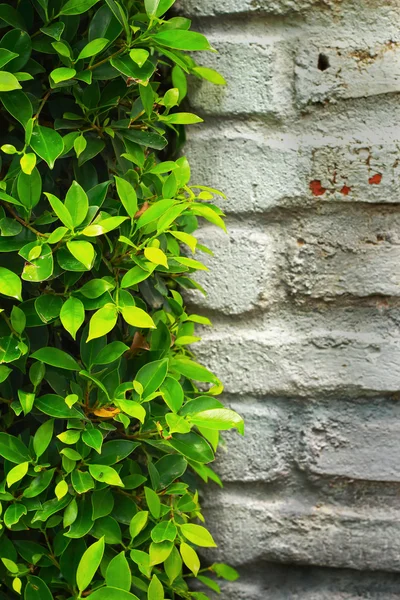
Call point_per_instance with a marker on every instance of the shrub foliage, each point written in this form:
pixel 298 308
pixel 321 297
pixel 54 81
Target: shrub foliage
pixel 107 421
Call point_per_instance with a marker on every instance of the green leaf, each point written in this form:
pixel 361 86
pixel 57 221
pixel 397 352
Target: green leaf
pixel 173 565
pixel 138 523
pixel 153 502
pixel 72 315
pixel 105 474
pixel 92 48
pixel 39 269
pixel 192 370
pixel 13 514
pixel 112 593
pixel 198 535
pixel 118 574
pixel 55 406
pixel 17 473
pixel 61 211
pixel 151 7
pixel 133 409
pixel 36 589
pixel 56 358
pixel 110 353
pixel 10 284
pixel 172 393
pixel 182 40
pixel 12 449
pixel 96 288
pixel 127 195
pixel 11 16
pixel 77 203
pixel 137 317
pixel 18 319
pixel 164 531
pixel 77 7
pixel 190 558
pixel 192 446
pixel 93 439
pixel 43 437
pixel 82 251
pixel 225 571
pixel 220 419
pixel 82 481
pixel 134 276
pixel 152 375
pixel 115 451
pixel 89 564
pixel 156 256
pixel 8 82
pixel 18 105
pixel 103 321
pixel 4 373
pixel 62 74
pixel 47 143
pixel 156 590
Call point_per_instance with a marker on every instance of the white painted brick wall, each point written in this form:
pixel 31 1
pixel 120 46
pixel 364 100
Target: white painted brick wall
pixel 304 292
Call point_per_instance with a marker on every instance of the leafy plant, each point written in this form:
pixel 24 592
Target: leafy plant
pixel 107 421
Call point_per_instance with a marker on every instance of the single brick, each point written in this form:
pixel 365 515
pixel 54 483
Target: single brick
pixel 358 441
pixel 255 174
pixel 351 351
pixel 250 252
pixel 259 77
pixel 262 453
pixel 353 252
pixel 331 73
pixel 288 529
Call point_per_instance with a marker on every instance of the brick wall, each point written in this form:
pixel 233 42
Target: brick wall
pixel 304 292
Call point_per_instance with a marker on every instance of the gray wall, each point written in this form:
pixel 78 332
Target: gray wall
pixel 304 292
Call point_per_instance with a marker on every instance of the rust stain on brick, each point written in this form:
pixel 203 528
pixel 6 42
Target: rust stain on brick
pixel 345 190
pixel 375 179
pixel 316 188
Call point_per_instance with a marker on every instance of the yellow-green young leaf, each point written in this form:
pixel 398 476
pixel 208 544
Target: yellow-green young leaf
pixel 133 409
pixel 118 574
pixel 8 149
pixel 225 571
pixel 57 235
pixel 103 321
pixel 17 473
pixel 173 565
pixel 61 489
pixel 10 565
pixel 181 119
pixel 198 535
pixel 103 226
pixel 71 436
pixel 17 585
pixel 139 56
pixel 160 552
pixel 153 502
pixel 210 75
pixel 28 163
pixel 10 284
pixel 105 474
pixel 93 439
pixel 178 39
pixel 92 48
pixel 89 564
pixel 62 74
pixel 171 97
pixel 186 238
pixel 72 315
pixel 156 256
pixel 190 558
pixel 80 145
pixel 127 195
pixel 8 82
pixel 137 317
pixel 62 49
pixel 191 263
pixel 82 251
pixel 138 522
pixel 71 399
pixel 77 203
pixel 219 419
pixel 26 400
pixel 156 589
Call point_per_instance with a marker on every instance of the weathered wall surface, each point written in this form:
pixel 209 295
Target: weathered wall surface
pixel 304 292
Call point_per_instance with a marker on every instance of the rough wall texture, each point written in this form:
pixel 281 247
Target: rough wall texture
pixel 305 292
